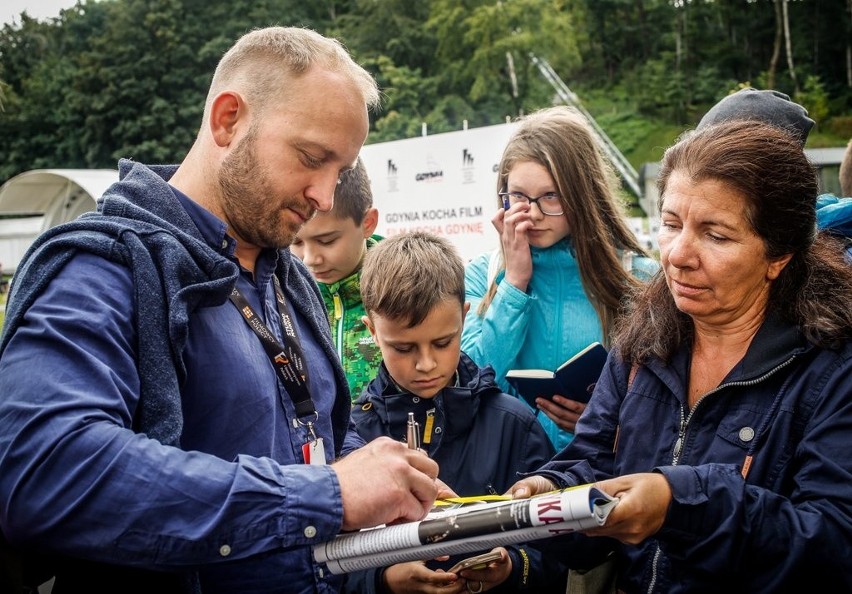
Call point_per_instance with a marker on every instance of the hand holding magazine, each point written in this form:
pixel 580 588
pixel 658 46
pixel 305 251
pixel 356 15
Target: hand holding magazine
pixel 574 379
pixel 468 529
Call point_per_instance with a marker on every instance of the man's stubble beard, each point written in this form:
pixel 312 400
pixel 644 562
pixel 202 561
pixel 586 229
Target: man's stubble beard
pixel 251 208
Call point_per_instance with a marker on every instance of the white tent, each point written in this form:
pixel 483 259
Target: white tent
pixel 36 200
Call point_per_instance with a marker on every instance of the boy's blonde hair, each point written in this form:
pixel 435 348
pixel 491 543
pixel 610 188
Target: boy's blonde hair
pixel 405 276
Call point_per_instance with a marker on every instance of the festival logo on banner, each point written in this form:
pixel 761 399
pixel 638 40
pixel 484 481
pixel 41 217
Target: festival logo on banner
pixel 432 174
pixel 393 185
pixel 467 167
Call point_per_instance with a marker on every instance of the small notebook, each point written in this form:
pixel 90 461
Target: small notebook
pixel 574 379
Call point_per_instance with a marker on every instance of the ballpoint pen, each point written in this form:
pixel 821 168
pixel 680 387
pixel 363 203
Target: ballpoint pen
pixel 412 433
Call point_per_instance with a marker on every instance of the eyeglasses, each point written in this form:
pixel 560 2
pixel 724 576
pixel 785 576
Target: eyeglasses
pixel 547 203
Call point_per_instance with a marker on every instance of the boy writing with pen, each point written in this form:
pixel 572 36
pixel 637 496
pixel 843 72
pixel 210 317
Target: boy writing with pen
pixel 430 394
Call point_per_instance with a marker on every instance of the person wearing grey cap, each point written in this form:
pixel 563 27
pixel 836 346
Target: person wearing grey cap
pixel 768 106
pixel 777 109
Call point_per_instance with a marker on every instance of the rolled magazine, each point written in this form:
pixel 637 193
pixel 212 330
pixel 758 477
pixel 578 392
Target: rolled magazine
pixel 468 529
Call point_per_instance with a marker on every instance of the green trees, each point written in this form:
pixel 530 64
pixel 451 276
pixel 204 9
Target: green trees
pixel 113 78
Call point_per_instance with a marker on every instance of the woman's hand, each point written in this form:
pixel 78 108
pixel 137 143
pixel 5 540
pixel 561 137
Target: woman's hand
pixel 643 503
pixel 562 411
pixel 529 486
pixel 512 225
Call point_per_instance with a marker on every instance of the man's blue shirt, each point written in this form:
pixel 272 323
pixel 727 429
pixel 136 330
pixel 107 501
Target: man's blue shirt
pixel 80 478
pixel 239 416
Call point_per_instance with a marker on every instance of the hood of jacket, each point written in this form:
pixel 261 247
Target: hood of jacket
pixel 454 408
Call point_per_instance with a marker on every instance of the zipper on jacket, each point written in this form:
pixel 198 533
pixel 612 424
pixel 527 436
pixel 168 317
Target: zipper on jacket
pixel 684 420
pixel 681 439
pixel 656 560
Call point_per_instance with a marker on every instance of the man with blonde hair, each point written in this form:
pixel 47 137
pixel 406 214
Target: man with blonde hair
pixel 181 424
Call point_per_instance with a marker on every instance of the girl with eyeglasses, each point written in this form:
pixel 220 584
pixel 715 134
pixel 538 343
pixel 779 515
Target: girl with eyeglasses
pixel 567 256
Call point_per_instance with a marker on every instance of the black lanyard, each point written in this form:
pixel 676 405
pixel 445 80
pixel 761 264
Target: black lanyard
pixel 288 358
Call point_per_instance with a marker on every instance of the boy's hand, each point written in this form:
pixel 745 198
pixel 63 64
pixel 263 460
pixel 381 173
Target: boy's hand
pixel 491 576
pixel 416 578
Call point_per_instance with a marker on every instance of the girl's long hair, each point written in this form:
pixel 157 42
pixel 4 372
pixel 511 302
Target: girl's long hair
pixel 561 140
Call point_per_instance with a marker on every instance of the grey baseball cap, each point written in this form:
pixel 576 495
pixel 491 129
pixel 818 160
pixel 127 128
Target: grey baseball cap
pixel 770 107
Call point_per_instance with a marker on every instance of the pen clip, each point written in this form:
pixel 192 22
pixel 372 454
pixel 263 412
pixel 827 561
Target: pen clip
pixel 412 433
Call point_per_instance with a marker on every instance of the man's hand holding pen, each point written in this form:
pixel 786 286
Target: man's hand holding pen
pixel 408 479
pixel 412 440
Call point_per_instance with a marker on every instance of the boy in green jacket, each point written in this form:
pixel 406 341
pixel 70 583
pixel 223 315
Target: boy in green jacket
pixel 333 245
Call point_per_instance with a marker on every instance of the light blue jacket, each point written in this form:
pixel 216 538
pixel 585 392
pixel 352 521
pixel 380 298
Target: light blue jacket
pixel 537 329
pixel 835 216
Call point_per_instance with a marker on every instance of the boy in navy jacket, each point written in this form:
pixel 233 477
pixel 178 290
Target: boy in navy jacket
pixel 412 287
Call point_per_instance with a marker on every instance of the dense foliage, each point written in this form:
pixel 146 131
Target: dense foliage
pixel 116 78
